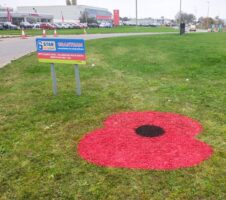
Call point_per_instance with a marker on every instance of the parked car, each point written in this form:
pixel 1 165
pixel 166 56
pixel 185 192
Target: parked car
pixel 47 26
pixel 77 25
pixel 93 25
pixel 36 26
pixel 66 25
pixel 130 23
pixel 83 25
pixel 71 25
pixel 26 25
pixel 1 27
pixel 105 25
pixel 192 28
pixel 10 26
pixel 58 25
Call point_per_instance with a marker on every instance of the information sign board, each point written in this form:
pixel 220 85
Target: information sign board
pixel 66 51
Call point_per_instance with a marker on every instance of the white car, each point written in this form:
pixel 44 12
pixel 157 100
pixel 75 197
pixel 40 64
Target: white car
pixel 66 25
pixel 105 25
pixel 10 26
pixel 192 28
pixel 63 25
pixel 36 26
pixel 58 25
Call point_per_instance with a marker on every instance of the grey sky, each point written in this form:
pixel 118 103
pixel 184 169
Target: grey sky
pixel 147 8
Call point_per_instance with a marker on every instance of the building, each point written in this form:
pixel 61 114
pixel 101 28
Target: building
pixel 4 9
pixel 70 13
pixel 8 14
pixel 150 22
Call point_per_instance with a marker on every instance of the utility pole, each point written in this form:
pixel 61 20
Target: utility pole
pixel 208 13
pixel 180 17
pixel 180 11
pixel 136 14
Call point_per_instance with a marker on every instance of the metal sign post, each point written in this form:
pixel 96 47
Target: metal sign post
pixel 77 79
pixel 53 73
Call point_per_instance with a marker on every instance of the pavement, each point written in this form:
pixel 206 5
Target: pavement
pixel 14 48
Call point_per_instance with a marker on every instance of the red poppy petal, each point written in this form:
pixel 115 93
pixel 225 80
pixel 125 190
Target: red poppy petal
pixel 180 124
pixel 120 147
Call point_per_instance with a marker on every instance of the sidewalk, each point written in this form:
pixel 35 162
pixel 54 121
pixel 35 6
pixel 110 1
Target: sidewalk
pixel 9 36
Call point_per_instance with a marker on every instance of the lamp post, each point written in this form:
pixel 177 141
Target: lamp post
pixel 180 20
pixel 136 14
pixel 208 13
pixel 180 11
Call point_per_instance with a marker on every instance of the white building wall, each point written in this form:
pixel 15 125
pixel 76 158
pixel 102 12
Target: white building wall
pixel 70 13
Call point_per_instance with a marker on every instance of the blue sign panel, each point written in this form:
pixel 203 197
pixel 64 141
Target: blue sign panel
pixel 68 51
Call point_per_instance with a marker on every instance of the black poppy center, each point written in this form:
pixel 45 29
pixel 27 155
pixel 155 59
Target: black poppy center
pixel 150 131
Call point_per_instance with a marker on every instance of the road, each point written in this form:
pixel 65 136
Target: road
pixel 14 48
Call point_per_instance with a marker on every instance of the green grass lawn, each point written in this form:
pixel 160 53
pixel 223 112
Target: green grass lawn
pixel 121 29
pixel 39 132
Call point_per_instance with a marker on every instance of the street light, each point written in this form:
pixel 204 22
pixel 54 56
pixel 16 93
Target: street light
pixel 180 11
pixel 181 31
pixel 208 13
pixel 136 14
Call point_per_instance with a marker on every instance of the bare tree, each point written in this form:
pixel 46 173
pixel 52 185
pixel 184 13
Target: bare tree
pixel 185 18
pixel 74 2
pixel 218 20
pixel 68 2
pixel 71 2
pixel 206 22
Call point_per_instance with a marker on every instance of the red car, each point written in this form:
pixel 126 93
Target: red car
pixel 47 26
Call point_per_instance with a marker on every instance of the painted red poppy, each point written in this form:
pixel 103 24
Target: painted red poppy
pixel 145 140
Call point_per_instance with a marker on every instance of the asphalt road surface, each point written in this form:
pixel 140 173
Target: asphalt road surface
pixel 14 48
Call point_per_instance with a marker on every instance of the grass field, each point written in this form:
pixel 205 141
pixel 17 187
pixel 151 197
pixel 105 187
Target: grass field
pixel 123 29
pixel 39 132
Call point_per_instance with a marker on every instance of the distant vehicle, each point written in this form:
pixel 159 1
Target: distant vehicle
pixel 76 25
pixel 26 25
pixel 83 25
pixel 58 25
pixel 192 28
pixel 105 25
pixel 36 26
pixel 93 25
pixel 65 25
pixel 1 27
pixel 10 26
pixel 145 24
pixel 47 26
pixel 73 25
pixel 130 23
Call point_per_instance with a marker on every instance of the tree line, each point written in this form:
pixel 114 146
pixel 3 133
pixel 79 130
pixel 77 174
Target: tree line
pixel 71 2
pixel 204 22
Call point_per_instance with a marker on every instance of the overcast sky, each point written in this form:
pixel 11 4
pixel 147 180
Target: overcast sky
pixel 147 8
